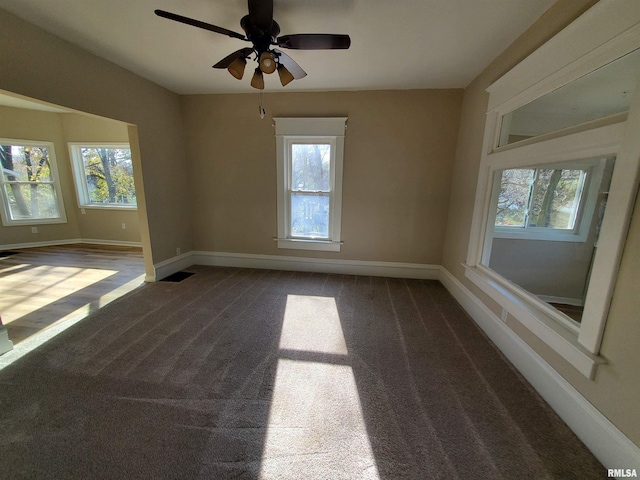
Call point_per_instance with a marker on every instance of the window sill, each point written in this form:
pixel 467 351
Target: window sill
pixel 309 244
pixel 542 320
pixel 132 208
pixel 32 222
pixel 548 236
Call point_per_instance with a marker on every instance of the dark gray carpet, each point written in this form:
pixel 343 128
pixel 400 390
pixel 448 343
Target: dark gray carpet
pixel 237 373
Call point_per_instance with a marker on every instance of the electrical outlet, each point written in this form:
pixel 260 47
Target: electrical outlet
pixel 124 226
pixel 34 229
pixel 504 315
pixel 178 251
pixel 83 211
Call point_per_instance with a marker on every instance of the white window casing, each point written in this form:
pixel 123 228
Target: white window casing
pixel 9 180
pixel 80 176
pixel 309 131
pixel 571 54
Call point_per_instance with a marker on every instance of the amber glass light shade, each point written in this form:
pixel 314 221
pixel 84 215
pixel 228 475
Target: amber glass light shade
pixel 258 80
pixel 267 62
pixel 285 75
pixel 236 68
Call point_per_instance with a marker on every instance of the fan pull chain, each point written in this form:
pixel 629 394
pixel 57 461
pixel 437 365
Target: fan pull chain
pixel 261 108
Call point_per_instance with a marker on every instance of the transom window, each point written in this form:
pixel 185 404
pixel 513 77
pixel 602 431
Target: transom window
pixel 309 154
pixel 29 182
pixel 103 175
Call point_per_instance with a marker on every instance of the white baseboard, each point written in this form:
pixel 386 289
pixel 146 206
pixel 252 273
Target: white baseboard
pixel 320 265
pixel 610 446
pixel 299 264
pixel 49 243
pixel 116 243
pixel 170 266
pixel 69 241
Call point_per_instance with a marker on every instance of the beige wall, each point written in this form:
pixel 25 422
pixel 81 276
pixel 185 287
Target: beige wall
pixel 398 158
pixel 63 74
pixel 615 389
pixel 34 125
pixel 97 223
pixel 60 128
pixel 557 269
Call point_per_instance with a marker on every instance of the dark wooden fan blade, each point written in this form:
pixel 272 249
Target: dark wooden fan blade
pixel 226 61
pixel 290 65
pixel 314 41
pixel 199 24
pixel 261 14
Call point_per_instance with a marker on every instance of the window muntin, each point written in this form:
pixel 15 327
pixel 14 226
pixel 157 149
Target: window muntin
pixel 29 183
pixel 104 175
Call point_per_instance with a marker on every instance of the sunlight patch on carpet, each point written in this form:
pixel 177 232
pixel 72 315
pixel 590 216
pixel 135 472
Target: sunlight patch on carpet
pixel 316 427
pixel 312 324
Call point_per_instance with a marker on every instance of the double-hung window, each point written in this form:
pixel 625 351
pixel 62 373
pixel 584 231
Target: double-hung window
pixel 30 190
pixel 310 157
pixel 103 175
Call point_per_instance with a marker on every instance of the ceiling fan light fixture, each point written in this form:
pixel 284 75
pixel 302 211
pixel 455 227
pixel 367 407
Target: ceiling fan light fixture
pixel 285 75
pixel 258 79
pixel 236 68
pixel 267 62
pixel 262 31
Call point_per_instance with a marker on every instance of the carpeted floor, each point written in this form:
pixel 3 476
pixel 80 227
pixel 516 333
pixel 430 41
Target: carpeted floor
pixel 235 373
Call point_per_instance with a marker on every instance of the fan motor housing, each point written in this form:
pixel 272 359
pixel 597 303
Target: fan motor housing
pixel 261 39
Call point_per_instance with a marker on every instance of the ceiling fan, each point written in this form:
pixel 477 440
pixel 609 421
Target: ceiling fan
pixel 262 31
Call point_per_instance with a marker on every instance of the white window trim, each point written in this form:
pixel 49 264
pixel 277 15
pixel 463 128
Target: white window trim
pixel 556 63
pixel 79 175
pixel 5 213
pixel 586 208
pixel 306 130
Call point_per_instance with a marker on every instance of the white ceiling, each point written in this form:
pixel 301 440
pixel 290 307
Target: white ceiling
pixel 401 44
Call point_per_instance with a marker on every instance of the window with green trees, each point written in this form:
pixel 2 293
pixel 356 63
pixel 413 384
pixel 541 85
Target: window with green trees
pixel 30 191
pixel 103 175
pixel 539 198
pixel 552 202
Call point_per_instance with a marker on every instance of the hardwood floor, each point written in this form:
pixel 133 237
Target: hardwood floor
pixel 45 286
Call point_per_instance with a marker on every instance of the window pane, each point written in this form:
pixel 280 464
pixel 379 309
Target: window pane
pixel 309 215
pixel 556 196
pixel 310 167
pixel 109 176
pixel 32 201
pixel 515 187
pixel 25 163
